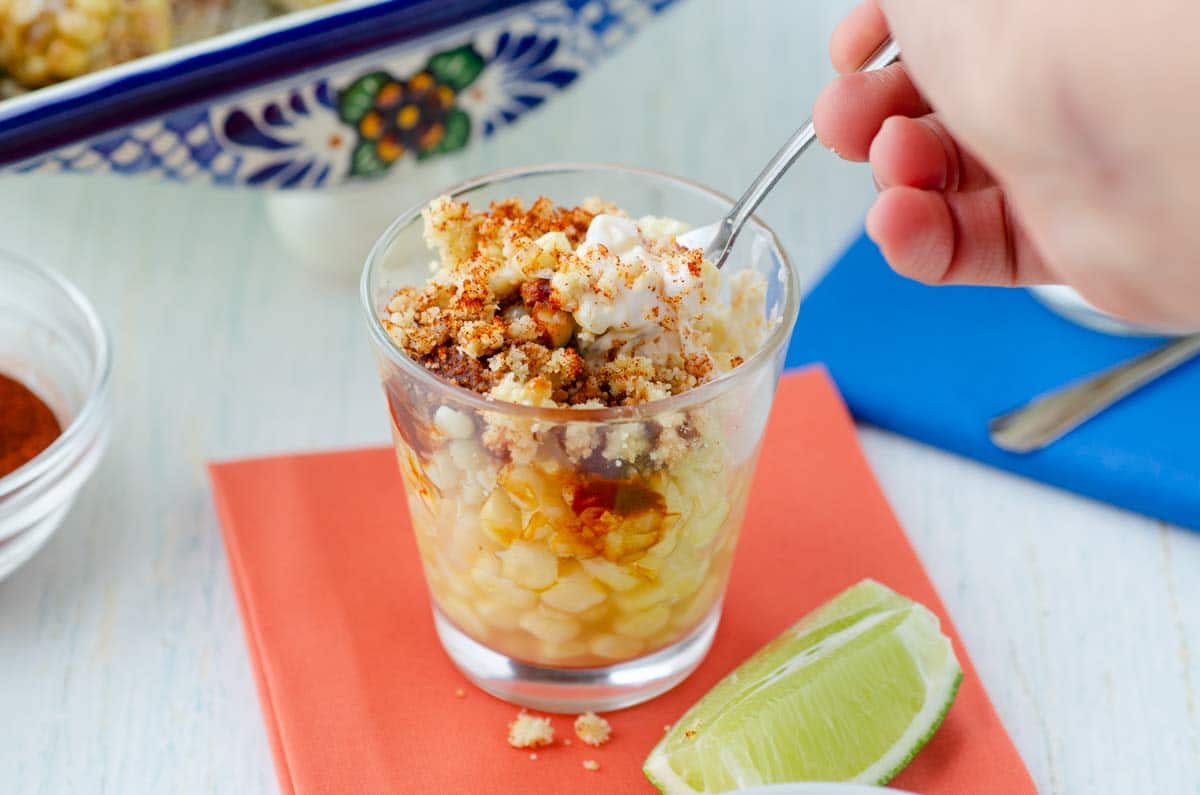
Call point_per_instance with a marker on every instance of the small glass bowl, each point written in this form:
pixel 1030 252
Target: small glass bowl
pixel 52 341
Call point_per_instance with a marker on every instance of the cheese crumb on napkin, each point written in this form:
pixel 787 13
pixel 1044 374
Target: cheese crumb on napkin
pixel 592 729
pixel 528 731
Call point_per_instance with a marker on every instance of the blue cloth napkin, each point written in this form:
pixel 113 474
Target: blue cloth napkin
pixel 936 363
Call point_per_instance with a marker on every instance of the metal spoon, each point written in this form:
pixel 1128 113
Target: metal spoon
pixel 1050 417
pixel 717 239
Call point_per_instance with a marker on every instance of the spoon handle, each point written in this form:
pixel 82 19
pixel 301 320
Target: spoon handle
pixel 887 54
pixel 1051 416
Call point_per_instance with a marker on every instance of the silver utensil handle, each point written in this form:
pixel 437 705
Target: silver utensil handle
pixel 1051 416
pixel 887 54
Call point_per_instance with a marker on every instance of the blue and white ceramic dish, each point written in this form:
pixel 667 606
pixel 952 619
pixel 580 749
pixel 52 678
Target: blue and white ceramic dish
pixel 360 89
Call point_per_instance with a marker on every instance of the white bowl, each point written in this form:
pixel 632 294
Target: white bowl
pixel 52 341
pixel 1074 307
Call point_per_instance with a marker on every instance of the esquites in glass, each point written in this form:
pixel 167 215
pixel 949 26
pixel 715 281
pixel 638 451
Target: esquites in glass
pixel 557 538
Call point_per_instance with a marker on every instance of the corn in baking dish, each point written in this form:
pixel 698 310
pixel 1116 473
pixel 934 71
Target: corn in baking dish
pixel 48 41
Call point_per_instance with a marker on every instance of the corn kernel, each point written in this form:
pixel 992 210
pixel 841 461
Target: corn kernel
pixel 503 590
pixel 524 486
pixel 568 650
pixel 488 564
pixel 615 647
pixel 443 474
pixel 80 27
pixel 705 524
pixel 504 281
pixel 643 625
pixel 552 242
pixel 538 528
pixel 574 595
pixel 623 545
pixel 666 544
pixel 498 615
pixel 467 454
pixel 97 8
pixel 461 614
pixel 595 614
pixel 690 613
pixel 529 565
pixel 611 574
pixel 66 58
pixel 682 575
pixel 558 326
pixel 456 584
pixel 464 544
pixel 499 518
pixel 549 625
pixel 641 598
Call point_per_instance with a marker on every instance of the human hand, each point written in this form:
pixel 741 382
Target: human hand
pixel 1024 142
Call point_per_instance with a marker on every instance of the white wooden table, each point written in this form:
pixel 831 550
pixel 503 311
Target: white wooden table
pixel 122 665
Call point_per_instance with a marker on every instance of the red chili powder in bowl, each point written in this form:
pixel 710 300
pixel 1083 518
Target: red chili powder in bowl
pixel 27 425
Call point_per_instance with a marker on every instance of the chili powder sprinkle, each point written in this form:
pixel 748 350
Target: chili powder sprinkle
pixel 27 425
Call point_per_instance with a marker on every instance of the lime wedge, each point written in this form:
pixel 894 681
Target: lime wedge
pixel 850 693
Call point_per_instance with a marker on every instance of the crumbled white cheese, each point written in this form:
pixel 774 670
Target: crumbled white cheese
pixel 528 731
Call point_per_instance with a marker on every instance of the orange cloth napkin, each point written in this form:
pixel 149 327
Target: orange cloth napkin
pixel 358 696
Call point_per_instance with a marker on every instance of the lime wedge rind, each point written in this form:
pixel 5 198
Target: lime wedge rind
pixel 851 692
pixel 923 727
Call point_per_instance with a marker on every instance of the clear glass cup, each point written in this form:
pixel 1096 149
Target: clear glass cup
pixel 577 558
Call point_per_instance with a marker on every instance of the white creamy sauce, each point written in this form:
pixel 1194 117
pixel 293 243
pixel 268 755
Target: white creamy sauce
pixel 637 316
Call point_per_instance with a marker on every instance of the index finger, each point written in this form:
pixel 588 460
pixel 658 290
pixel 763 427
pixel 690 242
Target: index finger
pixel 857 36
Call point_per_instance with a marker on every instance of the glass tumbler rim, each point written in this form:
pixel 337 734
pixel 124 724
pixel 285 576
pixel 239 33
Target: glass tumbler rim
pixel 761 358
pixel 85 425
